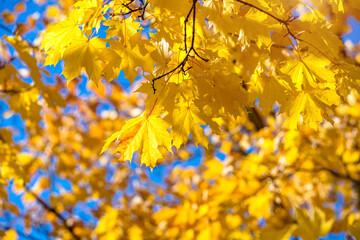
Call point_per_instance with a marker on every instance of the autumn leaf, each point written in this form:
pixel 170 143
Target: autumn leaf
pixel 83 53
pixel 314 225
pixel 186 119
pixel 144 134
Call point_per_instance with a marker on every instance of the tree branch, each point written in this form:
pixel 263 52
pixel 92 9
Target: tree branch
pixel 331 171
pixel 181 65
pixel 6 29
pixel 53 210
pixel 16 91
pixel 286 23
pixel 141 9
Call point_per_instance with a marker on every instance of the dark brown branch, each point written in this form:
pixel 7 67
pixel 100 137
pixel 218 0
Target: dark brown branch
pixel 6 29
pixel 16 91
pixel 182 64
pixel 140 9
pixel 53 210
pixel 127 4
pixel 255 118
pixel 331 171
pixel 185 26
pixel 286 23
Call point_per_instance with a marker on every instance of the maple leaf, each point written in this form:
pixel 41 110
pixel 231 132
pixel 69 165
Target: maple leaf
pixel 212 86
pixel 186 119
pixel 123 28
pixel 269 89
pixel 254 27
pixel 305 73
pixel 212 7
pixel 164 98
pixel 280 234
pixel 52 97
pixel 349 77
pixel 60 35
pixel 162 56
pixel 310 106
pixel 144 134
pixel 172 5
pixel 89 14
pixel 314 226
pixel 120 57
pixel 83 53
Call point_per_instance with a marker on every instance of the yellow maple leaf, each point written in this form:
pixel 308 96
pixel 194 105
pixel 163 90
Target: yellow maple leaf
pixel 310 72
pixel 310 106
pixel 124 29
pixel 313 225
pixel 144 134
pixel 25 52
pixel 162 55
pixel 254 27
pixel 119 57
pixel 279 234
pixel 269 89
pixel 60 35
pixel 172 5
pixel 89 14
pixel 83 53
pixel 186 119
pixel 165 96
pixel 318 37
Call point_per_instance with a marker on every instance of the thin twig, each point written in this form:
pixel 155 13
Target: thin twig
pixel 185 25
pixel 286 23
pixel 182 64
pixel 282 21
pixel 140 9
pixel 6 29
pixel 331 171
pixel 53 210
pixel 16 91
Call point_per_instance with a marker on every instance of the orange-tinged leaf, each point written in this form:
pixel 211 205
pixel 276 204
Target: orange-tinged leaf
pixel 8 17
pixel 20 7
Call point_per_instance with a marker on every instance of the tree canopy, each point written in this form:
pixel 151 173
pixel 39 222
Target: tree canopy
pixel 179 119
